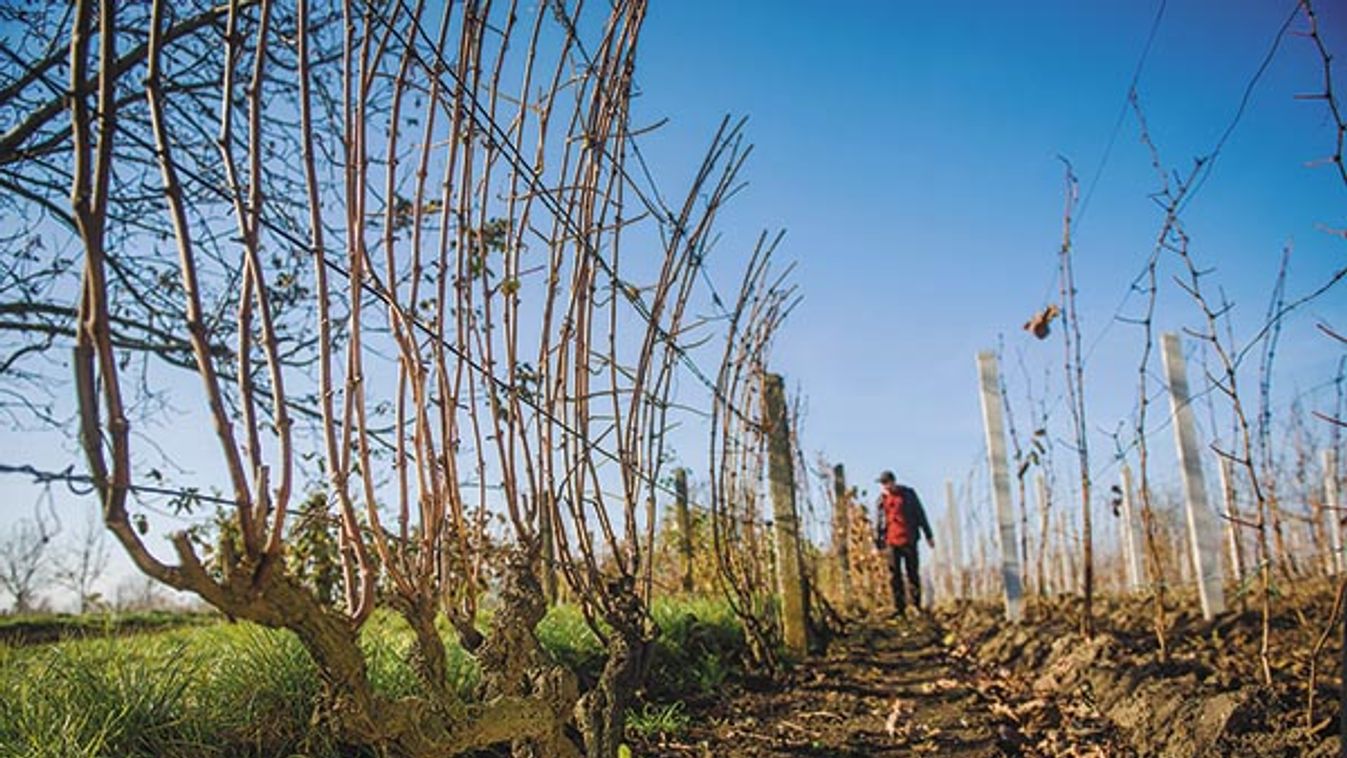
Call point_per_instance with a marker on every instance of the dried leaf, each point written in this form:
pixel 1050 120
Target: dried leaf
pixel 1040 323
pixel 901 709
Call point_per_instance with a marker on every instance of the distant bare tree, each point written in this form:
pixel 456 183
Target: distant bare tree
pixel 139 593
pixel 83 561
pixel 23 562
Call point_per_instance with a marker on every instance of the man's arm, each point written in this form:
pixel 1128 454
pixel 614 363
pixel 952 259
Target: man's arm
pixel 923 526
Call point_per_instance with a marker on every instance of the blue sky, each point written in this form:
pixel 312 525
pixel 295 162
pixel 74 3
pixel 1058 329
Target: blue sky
pixel 910 150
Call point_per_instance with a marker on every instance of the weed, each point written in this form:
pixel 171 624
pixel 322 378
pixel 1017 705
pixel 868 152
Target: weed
pixel 663 721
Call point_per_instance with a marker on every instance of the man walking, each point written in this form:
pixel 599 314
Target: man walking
pixel 901 522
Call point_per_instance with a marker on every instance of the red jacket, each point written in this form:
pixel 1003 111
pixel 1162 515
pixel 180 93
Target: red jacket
pixel 900 517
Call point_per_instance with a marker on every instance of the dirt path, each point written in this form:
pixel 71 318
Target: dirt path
pixel 886 689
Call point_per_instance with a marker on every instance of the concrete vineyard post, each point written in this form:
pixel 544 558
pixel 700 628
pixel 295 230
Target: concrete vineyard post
pixel 680 484
pixel 1131 534
pixel 943 564
pixel 842 533
pixel 1046 583
pixel 994 426
pixel 1184 551
pixel 1073 550
pixel 1231 516
pixel 785 523
pixel 1204 536
pixel 955 549
pixel 1332 502
pixel 1068 570
pixel 949 587
pixel 980 570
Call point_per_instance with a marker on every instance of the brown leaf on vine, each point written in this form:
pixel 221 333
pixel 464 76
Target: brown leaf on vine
pixel 1039 323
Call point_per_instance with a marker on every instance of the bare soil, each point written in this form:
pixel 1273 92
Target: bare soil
pixel 965 683
pixel 886 688
pixel 1207 697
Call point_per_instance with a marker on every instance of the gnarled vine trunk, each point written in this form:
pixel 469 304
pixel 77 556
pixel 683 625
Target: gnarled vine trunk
pixel 602 711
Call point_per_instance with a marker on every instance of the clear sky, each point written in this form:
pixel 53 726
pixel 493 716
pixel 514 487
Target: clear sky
pixel 910 150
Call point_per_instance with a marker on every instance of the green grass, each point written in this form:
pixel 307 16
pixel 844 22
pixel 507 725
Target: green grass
pixel 237 689
pixel 565 636
pixel 214 691
pixel 653 721
pixel 700 647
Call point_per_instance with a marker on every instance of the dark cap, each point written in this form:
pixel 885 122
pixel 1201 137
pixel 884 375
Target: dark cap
pixel 886 478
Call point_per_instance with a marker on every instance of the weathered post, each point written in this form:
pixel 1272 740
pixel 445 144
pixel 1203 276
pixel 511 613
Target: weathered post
pixel 1332 502
pixel 684 515
pixel 842 533
pixel 548 553
pixel 955 548
pixel 785 523
pixel 1204 537
pixel 1232 519
pixel 1131 535
pixel 996 457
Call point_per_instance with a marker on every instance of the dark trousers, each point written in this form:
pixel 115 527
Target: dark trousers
pixel 904 559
